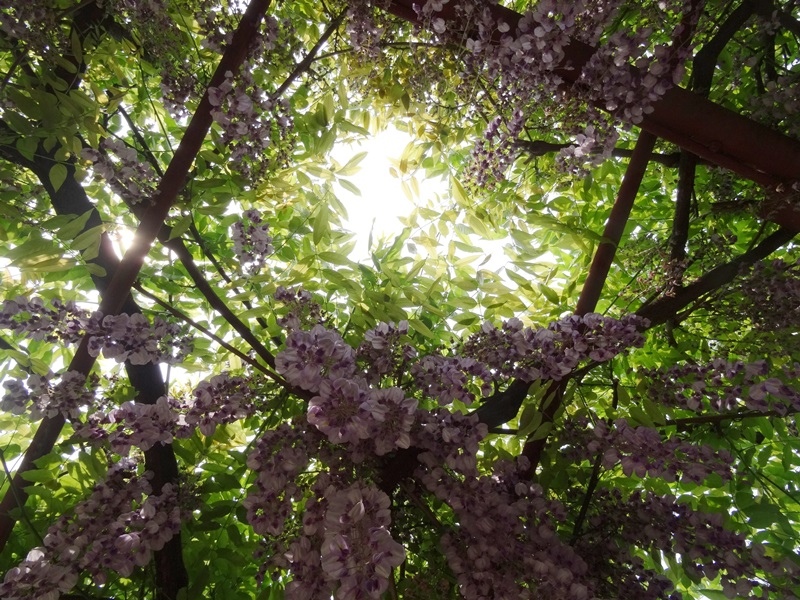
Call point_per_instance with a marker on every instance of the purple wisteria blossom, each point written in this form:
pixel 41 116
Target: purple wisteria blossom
pixel 132 178
pixel 311 356
pixel 300 310
pixel 46 398
pixel 115 530
pixel 120 337
pixel 552 352
pixel 252 243
pixel 384 351
pixel 446 378
pixel 358 552
pixel 343 411
pixel 725 386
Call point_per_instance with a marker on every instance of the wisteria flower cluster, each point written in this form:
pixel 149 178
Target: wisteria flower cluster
pixel 252 243
pixel 278 458
pixel 311 356
pixel 778 105
pixel 37 319
pixel 179 81
pixel 524 65
pixel 505 543
pixel 222 399
pixel 120 337
pixel 358 551
pixel 133 179
pixel 131 338
pixel 343 546
pixel 642 451
pixel 448 439
pixel 647 521
pixel 300 310
pixel 362 28
pixel 346 545
pixel 772 290
pixel 256 127
pixel 384 349
pixel 343 411
pixel 724 386
pixel 45 398
pixel 629 95
pixel 553 352
pixel 445 378
pixel 134 425
pixel 116 529
pixel 33 24
pixel 348 409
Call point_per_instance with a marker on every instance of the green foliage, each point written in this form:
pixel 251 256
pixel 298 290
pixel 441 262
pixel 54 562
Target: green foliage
pixel 521 249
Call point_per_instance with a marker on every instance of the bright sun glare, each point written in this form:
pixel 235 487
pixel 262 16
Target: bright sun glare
pixel 382 201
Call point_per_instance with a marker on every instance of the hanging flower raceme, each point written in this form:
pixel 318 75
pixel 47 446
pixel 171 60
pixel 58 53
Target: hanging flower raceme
pixel 120 337
pixel 252 243
pixel 642 451
pixel 257 128
pixel 384 351
pixel 134 425
pixel 725 386
pixel 358 552
pixel 524 67
pixel 132 179
pixel 553 352
pixel 446 378
pixel 222 399
pixel 363 438
pixel 617 524
pixel 311 356
pixel 46 398
pixel 115 530
pixel 300 310
pixel 772 290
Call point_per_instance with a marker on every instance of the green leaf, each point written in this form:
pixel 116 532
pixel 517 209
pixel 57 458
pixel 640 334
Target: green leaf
pixel 33 248
pixel 421 328
pixel 88 239
pixel 321 226
pixel 542 431
pixel 349 186
pixel 550 294
pixel 521 281
pixel 334 258
pixel 58 175
pixel 640 416
pixel 530 420
pixel 181 226
pixel 26 105
pixel 38 475
pixel 74 226
pixel 762 514
pixel 351 167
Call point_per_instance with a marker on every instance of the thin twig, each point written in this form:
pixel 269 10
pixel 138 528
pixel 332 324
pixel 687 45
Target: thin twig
pixel 207 332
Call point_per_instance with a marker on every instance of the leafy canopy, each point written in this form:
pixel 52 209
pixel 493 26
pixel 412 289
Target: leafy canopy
pixel 608 412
